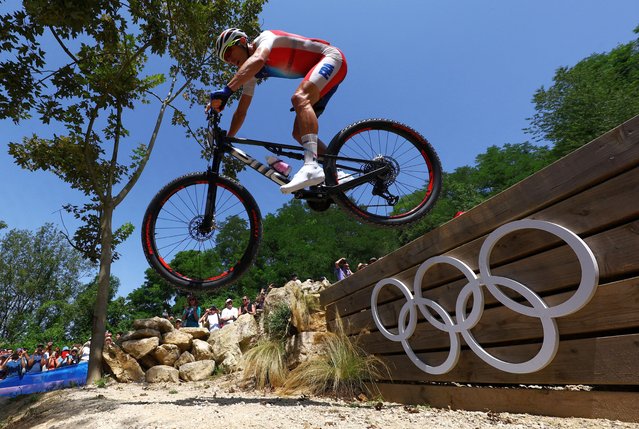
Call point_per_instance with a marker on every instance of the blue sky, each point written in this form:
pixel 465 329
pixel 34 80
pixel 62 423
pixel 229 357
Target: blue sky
pixel 462 72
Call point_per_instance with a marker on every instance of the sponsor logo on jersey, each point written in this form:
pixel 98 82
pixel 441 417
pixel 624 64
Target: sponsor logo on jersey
pixel 326 71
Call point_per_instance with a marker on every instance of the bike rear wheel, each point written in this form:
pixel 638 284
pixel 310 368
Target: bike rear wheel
pixel 182 252
pixel 405 192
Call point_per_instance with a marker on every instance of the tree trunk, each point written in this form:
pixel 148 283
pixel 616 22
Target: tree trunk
pixel 102 298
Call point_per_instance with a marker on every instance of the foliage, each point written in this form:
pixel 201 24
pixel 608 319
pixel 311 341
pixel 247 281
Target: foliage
pixel 342 370
pixel 80 317
pixel 278 322
pixel 84 67
pixel 265 363
pixel 39 274
pixel 588 99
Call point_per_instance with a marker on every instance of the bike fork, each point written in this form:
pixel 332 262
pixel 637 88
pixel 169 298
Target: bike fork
pixel 208 222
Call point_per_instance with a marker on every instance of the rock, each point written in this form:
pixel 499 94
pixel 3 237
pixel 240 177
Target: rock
pixel 157 323
pixel 179 338
pixel 141 333
pixel 247 331
pixel 162 374
pixel 196 371
pixel 313 287
pixel 167 354
pixel 184 358
pixel 225 347
pixel 281 296
pixel 199 333
pixel 141 347
pixel 202 350
pixel 304 345
pixel 147 362
pixel 123 366
pixel 317 322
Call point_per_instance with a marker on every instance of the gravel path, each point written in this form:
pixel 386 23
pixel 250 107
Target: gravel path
pixel 218 404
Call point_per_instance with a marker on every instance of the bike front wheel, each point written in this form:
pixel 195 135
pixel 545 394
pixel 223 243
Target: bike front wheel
pixel 186 252
pixel 409 185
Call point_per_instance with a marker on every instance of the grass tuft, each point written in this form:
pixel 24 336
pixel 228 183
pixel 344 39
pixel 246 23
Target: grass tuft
pixel 266 364
pixel 342 370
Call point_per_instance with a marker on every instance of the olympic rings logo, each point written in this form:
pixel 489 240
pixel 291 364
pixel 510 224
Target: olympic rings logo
pixel 464 321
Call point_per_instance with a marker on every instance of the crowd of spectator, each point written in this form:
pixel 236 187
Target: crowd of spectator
pixel 44 358
pixel 213 318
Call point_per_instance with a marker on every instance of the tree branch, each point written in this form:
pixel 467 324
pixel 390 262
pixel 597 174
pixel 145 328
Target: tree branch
pixel 138 171
pixel 92 175
pixel 63 46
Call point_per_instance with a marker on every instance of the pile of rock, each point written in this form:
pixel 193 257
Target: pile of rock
pixel 157 352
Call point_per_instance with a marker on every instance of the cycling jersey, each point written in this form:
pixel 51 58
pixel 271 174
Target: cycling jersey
pixel 293 57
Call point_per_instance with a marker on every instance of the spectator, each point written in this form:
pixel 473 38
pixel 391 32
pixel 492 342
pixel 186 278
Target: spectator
pixel 63 358
pixel 229 314
pixel 259 301
pixel 73 358
pixel 191 314
pixel 178 323
pixel 295 279
pixel 211 319
pixel 13 365
pixel 54 360
pixel 342 269
pixel 361 265
pixel 36 361
pixel 371 260
pixel 86 349
pixel 247 307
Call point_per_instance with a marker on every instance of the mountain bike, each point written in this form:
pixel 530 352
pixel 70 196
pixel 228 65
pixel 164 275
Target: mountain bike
pixel 202 230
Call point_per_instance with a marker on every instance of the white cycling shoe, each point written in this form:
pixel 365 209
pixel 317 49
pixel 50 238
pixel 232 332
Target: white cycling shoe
pixel 309 175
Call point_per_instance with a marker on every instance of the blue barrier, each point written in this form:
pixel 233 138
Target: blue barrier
pixel 73 375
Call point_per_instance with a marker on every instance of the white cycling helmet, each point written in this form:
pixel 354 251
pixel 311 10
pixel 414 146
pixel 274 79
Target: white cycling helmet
pixel 228 38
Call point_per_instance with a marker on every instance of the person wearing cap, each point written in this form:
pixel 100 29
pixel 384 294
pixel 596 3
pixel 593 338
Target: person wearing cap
pixel 211 319
pixel 229 314
pixel 192 313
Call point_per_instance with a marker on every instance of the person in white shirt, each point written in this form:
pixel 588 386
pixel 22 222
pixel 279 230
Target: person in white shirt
pixel 229 314
pixel 211 318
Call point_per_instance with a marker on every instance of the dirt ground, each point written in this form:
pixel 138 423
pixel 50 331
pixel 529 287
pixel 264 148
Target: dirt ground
pixel 219 404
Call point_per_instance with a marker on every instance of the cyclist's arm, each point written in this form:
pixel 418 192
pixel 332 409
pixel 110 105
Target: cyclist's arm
pixel 240 114
pixel 250 68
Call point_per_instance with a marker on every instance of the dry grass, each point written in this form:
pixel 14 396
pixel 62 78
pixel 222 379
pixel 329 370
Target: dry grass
pixel 265 363
pixel 342 370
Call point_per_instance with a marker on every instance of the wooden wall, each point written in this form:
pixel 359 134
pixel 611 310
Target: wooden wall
pixel 594 192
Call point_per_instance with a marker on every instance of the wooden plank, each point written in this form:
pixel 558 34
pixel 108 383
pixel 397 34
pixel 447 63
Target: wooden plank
pixel 558 403
pixel 612 249
pixel 607 156
pixel 584 214
pixel 590 361
pixel 614 307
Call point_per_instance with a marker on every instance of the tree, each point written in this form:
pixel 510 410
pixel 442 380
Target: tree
pixel 106 45
pixel 586 100
pixel 39 274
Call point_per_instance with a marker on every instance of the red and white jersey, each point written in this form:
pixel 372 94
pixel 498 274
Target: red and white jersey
pixel 293 56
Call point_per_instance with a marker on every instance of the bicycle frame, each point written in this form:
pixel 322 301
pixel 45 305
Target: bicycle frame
pixel 219 144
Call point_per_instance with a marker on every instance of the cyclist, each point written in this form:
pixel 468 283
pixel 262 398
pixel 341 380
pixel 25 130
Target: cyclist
pixel 280 54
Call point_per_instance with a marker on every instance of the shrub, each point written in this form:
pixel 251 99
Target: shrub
pixel 278 322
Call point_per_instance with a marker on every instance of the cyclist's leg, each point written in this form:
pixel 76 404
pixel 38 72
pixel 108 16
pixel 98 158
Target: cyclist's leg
pixel 305 129
pixel 309 99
